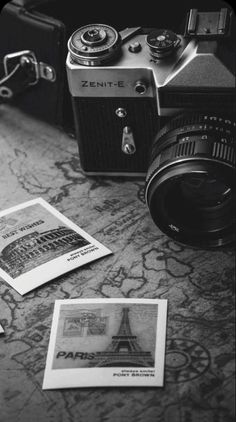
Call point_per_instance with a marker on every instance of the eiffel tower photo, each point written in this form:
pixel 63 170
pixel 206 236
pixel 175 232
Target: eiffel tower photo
pixel 124 349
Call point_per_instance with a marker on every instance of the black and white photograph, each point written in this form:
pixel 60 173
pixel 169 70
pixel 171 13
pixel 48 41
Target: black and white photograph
pixel 37 244
pixel 109 342
pixel 32 236
pixel 117 197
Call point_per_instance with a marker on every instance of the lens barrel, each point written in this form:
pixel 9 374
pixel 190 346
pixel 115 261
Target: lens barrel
pixel 190 184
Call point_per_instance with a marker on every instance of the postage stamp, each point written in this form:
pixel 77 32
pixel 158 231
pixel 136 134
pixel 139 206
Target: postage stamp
pixel 106 342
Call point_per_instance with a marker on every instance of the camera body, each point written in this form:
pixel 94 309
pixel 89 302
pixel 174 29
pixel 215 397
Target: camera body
pixel 150 101
pixel 125 86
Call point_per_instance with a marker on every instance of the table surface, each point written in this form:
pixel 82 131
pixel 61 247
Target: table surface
pixel 37 159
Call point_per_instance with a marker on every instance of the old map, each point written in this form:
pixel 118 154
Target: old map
pixel 39 160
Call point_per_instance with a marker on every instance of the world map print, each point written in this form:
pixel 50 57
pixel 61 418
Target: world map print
pixel 39 160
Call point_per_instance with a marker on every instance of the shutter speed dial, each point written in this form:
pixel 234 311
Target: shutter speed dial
pixel 162 42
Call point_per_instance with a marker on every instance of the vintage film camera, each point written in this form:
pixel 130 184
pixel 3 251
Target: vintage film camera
pixel 148 100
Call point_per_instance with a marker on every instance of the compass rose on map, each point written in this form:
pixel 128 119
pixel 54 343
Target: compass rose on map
pixel 185 360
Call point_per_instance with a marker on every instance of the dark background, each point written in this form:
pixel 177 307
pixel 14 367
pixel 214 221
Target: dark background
pixel 24 28
pixel 165 13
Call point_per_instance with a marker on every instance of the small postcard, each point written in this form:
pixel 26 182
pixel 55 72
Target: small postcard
pixel 1 329
pixel 38 243
pixel 106 342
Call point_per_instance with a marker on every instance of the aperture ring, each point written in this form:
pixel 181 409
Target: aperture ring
pixel 196 121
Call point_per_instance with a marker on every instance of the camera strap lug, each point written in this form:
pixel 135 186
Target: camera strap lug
pixel 22 70
pixel 128 145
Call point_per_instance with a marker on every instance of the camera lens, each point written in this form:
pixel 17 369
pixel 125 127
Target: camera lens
pixel 204 191
pixel 190 187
